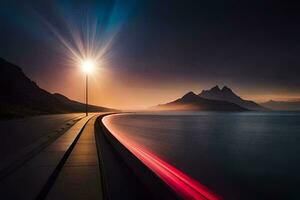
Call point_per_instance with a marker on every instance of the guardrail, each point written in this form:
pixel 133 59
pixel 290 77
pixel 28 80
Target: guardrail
pixel 157 188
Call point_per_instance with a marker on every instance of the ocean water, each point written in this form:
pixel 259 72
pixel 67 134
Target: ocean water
pixel 248 155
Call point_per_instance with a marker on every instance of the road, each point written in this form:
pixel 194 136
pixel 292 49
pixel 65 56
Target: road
pixel 82 160
pixel 20 133
pixel 25 180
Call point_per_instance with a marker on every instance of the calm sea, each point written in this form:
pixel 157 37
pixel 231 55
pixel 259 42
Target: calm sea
pixel 248 155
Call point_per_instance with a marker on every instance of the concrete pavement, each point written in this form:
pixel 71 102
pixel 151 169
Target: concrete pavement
pixel 80 176
pixel 29 179
pixel 84 163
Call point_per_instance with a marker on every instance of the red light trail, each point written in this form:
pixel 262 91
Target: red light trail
pixel 182 184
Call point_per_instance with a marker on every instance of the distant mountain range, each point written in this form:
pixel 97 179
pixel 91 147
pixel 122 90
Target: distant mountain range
pixel 214 99
pixel 20 96
pixel 226 94
pixel 282 105
pixel 193 102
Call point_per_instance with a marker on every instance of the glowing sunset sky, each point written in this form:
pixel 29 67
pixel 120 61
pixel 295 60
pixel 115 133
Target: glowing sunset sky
pixel 151 52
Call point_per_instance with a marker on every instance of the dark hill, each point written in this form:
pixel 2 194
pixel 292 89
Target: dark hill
pixel 192 102
pixel 282 105
pixel 20 96
pixel 226 94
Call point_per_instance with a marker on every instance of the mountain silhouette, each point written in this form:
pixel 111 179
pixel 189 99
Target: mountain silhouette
pixel 226 94
pixel 20 96
pixel 192 102
pixel 282 105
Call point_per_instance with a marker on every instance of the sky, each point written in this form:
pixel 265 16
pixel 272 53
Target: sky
pixel 151 52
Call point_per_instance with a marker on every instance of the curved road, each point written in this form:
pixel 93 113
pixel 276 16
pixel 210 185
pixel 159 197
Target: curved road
pixel 84 162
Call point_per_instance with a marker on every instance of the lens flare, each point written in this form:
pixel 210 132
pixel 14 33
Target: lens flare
pixel 87 36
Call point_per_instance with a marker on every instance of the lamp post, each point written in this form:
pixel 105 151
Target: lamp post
pixel 86 93
pixel 87 67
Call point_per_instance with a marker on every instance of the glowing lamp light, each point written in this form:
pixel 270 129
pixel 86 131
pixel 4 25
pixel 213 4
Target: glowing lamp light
pixel 88 66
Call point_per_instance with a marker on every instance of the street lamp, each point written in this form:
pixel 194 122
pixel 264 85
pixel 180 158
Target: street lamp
pixel 87 67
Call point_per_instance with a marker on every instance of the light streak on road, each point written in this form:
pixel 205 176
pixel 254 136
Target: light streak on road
pixel 182 184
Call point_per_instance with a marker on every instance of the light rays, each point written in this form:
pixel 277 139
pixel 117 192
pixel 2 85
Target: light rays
pixel 88 33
